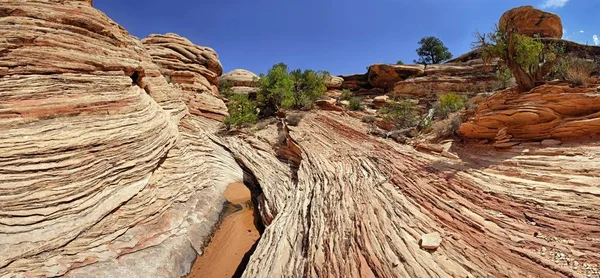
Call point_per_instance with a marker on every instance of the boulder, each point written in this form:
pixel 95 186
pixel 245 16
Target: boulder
pixel 240 78
pixel 380 101
pixel 384 76
pixel 334 82
pixel 244 81
pixel 530 21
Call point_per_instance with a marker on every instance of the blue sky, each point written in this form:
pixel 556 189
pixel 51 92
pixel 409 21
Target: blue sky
pixel 342 37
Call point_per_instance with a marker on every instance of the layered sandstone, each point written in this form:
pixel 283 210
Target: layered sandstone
pixel 243 81
pixel 193 69
pixel 334 82
pixel 545 112
pixel 360 206
pixel 384 76
pixel 103 172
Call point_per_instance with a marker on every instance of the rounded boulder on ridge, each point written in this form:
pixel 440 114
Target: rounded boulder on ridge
pixel 530 21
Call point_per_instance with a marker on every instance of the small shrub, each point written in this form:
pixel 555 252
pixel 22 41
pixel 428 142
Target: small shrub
pixel 575 70
pixel 242 111
pixel 401 113
pixel 449 103
pixel 447 127
pixel 346 95
pixel 297 89
pixel 369 119
pixel 294 119
pixel 399 63
pixel 356 104
pixel 504 78
pixel 226 88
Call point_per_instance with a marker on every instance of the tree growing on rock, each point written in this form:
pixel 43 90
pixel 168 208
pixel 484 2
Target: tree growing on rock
pixel 432 51
pixel 528 58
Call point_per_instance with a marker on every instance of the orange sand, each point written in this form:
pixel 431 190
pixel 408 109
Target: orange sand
pixel 234 237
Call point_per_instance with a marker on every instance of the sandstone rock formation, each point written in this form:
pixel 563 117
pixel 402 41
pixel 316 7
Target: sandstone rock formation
pixel 384 76
pixel 544 113
pixel 244 82
pixel 193 69
pixel 106 170
pixel 103 172
pixel 469 77
pixel 530 21
pixel 356 82
pixel 359 206
pixel 334 82
pixel 466 75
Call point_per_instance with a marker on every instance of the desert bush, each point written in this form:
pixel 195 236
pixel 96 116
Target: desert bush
pixel 369 119
pixel 294 119
pixel 449 103
pixel 226 88
pixel 401 113
pixel 399 63
pixel 280 89
pixel 447 127
pixel 356 104
pixel 575 70
pixel 346 95
pixel 504 78
pixel 242 111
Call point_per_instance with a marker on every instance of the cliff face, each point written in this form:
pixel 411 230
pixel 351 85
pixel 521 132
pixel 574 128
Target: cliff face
pixel 99 155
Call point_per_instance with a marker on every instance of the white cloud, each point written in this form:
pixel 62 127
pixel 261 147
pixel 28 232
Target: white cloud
pixel 596 39
pixel 581 31
pixel 548 4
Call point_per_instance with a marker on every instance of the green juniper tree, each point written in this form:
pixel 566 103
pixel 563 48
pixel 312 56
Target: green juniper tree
pixel 432 51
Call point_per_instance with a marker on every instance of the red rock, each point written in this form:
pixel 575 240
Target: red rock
pixel 384 76
pixel 544 113
pixel 530 21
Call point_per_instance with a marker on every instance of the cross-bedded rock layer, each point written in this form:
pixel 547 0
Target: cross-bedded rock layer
pixel 544 113
pixel 100 161
pixel 361 204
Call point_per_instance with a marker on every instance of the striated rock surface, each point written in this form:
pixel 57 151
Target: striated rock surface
pixel 547 112
pixel 357 206
pixel 193 69
pixel 103 172
pixel 469 77
pixel 530 21
pixel 244 82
